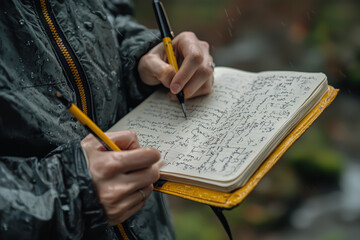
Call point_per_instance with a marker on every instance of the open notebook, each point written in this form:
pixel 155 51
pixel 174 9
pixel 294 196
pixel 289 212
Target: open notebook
pixel 230 132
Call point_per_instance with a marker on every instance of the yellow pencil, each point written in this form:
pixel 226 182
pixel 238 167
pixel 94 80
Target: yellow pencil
pixel 87 122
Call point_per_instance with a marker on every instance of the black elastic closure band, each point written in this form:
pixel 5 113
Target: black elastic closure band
pixel 159 183
pixel 219 213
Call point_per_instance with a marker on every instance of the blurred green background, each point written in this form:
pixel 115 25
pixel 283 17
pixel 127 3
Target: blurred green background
pixel 314 190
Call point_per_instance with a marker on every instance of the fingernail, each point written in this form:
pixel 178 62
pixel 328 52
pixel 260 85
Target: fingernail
pixel 175 88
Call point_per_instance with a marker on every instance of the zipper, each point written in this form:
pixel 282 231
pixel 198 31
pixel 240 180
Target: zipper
pixel 73 69
pixel 74 73
pixel 120 230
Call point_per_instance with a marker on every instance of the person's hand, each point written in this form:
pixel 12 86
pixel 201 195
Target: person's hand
pixel 195 75
pixel 123 180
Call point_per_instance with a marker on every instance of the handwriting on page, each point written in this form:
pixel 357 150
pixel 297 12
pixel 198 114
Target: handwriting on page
pixel 224 130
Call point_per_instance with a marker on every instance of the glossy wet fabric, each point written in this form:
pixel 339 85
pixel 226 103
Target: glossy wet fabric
pixel 46 190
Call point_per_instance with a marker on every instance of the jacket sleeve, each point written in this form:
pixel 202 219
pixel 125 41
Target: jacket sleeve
pixel 134 41
pixel 49 198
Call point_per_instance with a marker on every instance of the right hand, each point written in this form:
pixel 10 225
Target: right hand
pixel 118 176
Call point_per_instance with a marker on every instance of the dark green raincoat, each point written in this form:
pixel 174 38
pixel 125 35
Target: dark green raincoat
pixel 88 51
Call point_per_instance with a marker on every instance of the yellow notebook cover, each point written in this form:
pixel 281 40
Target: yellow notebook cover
pixel 232 199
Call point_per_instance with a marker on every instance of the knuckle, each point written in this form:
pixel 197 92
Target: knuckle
pixel 132 133
pixel 189 35
pixel 205 71
pixel 196 55
pixel 108 196
pixel 205 44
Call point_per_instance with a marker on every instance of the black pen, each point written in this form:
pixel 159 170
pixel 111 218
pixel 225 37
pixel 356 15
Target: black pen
pixel 167 35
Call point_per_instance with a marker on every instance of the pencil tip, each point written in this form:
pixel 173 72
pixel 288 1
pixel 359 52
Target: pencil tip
pixel 183 109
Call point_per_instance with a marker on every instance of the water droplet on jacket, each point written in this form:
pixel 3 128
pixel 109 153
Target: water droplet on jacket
pixel 33 180
pixel 4 227
pixel 65 208
pixel 21 22
pixel 89 25
pixel 32 75
pixel 101 15
pixel 113 73
pixel 108 95
pixel 47 60
pixel 28 43
pixel 26 219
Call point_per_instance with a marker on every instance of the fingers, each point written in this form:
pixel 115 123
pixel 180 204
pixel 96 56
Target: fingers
pixel 195 76
pixel 118 176
pixel 116 163
pixel 132 203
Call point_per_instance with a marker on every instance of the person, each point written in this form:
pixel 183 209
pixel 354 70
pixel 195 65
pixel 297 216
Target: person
pixel 56 180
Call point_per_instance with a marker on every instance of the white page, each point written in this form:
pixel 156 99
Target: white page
pixel 225 130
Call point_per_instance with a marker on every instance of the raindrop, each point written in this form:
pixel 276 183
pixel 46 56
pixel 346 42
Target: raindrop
pixel 227 15
pixel 50 89
pixel 89 25
pixel 101 15
pixel 230 32
pixel 108 95
pixel 28 43
pixel 113 73
pixel 4 227
pixel 27 219
pixel 65 208
pixel 238 11
pixel 32 75
pixel 21 22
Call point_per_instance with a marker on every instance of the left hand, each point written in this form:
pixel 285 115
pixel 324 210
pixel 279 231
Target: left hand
pixel 195 75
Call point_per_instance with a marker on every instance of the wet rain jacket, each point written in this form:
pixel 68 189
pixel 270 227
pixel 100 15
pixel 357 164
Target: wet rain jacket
pixel 87 50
